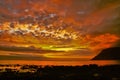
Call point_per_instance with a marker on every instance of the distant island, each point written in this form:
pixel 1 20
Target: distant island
pixel 109 54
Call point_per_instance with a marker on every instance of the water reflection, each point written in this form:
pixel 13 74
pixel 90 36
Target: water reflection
pixel 65 63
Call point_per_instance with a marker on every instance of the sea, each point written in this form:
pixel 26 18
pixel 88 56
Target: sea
pixel 61 63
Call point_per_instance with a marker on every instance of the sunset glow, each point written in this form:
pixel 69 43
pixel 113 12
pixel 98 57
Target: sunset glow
pixel 58 28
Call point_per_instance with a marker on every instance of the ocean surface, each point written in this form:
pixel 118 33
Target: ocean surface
pixel 63 63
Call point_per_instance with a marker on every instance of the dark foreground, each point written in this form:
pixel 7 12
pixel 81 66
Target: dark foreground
pixel 85 72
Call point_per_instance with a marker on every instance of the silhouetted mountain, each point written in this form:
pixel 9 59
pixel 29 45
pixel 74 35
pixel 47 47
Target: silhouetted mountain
pixel 109 54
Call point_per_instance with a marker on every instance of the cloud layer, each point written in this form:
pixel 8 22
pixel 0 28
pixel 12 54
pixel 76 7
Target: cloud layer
pixel 51 24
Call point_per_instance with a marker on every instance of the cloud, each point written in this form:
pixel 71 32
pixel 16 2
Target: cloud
pixel 94 22
pixel 22 57
pixel 30 49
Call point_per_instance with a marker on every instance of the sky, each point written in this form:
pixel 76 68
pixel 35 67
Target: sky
pixel 58 29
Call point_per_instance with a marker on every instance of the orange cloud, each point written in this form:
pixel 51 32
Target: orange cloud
pixel 101 41
pixel 100 16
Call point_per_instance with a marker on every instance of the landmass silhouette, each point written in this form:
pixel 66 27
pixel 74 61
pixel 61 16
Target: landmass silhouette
pixel 112 53
pixel 35 72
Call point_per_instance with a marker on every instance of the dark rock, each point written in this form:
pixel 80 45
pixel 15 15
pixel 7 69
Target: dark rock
pixel 109 54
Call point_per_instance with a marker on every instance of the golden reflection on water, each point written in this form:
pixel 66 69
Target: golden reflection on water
pixel 58 63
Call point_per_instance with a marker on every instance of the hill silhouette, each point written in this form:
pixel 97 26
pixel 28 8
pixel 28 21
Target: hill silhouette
pixel 109 54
